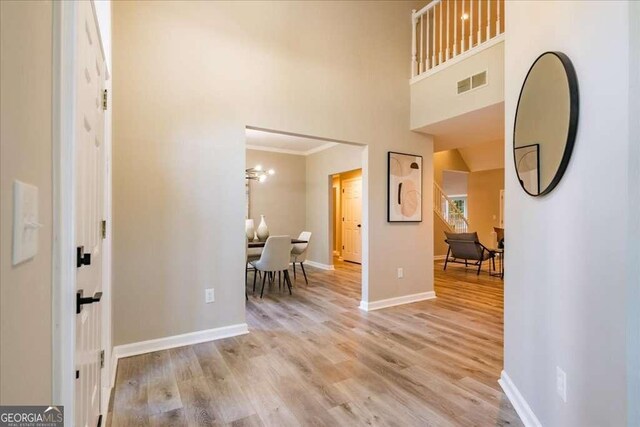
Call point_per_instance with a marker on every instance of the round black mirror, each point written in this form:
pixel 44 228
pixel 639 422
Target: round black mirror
pixel 546 122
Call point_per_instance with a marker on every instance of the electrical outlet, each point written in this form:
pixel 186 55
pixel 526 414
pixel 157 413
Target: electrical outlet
pixel 400 272
pixel 209 295
pixel 561 384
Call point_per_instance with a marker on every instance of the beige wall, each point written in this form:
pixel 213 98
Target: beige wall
pixel 188 78
pixel 484 202
pixel 320 170
pixel 434 98
pixel 25 153
pixel 566 298
pixel 447 160
pixel 439 245
pixel 282 197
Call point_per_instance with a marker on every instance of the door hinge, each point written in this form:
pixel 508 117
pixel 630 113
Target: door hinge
pixel 101 359
pixel 342 246
pixel 104 100
pixel 103 229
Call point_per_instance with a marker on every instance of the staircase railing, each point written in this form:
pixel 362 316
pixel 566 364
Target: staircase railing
pixel 445 29
pixel 449 211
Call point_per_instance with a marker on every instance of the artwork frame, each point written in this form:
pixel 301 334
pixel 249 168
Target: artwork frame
pixel 404 187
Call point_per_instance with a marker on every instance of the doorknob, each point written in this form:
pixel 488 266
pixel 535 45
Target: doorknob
pixel 80 300
pixel 359 225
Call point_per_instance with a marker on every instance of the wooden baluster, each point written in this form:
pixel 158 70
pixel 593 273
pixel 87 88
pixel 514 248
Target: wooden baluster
pixel 440 52
pixel 479 21
pixel 455 28
pixel 414 64
pixel 462 42
pixel 428 30
pixel 488 19
pixel 433 40
pixel 421 65
pixel 471 24
pixel 498 29
pixel 448 32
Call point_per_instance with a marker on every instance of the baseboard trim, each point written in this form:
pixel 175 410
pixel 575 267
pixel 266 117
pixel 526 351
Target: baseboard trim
pixel 521 406
pixel 319 265
pixel 439 257
pixel 173 341
pixel 391 302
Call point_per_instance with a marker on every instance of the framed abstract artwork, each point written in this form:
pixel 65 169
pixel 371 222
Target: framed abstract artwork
pixel 404 182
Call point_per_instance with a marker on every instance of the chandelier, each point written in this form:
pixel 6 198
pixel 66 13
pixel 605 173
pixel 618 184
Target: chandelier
pixel 257 173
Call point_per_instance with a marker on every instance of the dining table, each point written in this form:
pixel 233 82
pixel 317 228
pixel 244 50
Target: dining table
pixel 257 244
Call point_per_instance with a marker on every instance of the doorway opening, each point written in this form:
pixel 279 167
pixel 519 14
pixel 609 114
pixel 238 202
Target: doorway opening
pixel 347 216
pixel 308 188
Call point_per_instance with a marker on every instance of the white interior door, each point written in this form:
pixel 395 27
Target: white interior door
pixel 89 212
pixel 352 220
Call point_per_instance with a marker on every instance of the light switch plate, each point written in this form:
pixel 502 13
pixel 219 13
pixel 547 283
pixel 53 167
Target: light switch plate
pixel 209 296
pixel 25 221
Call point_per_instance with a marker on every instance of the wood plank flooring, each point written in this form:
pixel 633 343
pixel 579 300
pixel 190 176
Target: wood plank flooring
pixel 315 359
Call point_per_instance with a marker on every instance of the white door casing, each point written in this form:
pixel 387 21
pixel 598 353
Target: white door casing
pixel 352 220
pixel 89 211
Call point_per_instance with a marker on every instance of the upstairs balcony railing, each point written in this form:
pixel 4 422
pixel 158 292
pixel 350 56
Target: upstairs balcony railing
pixel 446 29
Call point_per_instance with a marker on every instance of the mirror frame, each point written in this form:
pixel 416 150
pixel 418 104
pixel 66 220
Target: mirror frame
pixel 574 107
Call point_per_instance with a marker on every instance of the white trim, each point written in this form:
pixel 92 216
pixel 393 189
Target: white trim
pixel 391 302
pixel 319 265
pixel 320 148
pixel 173 341
pixel 521 406
pixel 439 257
pixel 190 338
pixel 468 54
pixel 63 164
pixel 293 152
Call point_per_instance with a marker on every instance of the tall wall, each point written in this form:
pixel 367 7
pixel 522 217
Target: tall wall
pixel 282 197
pixel 188 78
pixel 633 268
pixel 484 202
pixel 566 270
pixel 26 155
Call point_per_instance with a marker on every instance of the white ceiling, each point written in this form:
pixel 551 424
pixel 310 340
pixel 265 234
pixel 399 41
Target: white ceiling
pixel 476 127
pixel 482 157
pixel 280 143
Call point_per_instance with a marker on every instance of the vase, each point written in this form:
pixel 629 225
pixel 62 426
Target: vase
pixel 263 230
pixel 249 229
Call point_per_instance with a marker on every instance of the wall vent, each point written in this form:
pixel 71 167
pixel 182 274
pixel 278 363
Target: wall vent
pixel 472 82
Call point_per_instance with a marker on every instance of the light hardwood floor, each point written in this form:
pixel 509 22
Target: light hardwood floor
pixel 315 359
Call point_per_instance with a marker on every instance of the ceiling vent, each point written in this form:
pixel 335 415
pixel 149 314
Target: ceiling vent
pixel 472 82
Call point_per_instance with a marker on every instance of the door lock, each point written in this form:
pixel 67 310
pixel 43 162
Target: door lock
pixel 80 300
pixel 82 258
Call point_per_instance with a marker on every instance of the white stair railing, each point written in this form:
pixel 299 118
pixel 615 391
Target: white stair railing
pixel 449 211
pixel 445 29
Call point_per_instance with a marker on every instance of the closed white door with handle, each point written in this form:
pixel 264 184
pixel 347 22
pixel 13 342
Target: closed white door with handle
pixel 89 213
pixel 352 220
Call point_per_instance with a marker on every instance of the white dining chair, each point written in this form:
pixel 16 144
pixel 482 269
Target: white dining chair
pixel 299 253
pixel 252 254
pixel 274 258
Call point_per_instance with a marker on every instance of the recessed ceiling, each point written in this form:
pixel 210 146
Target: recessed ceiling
pixel 476 127
pixel 288 144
